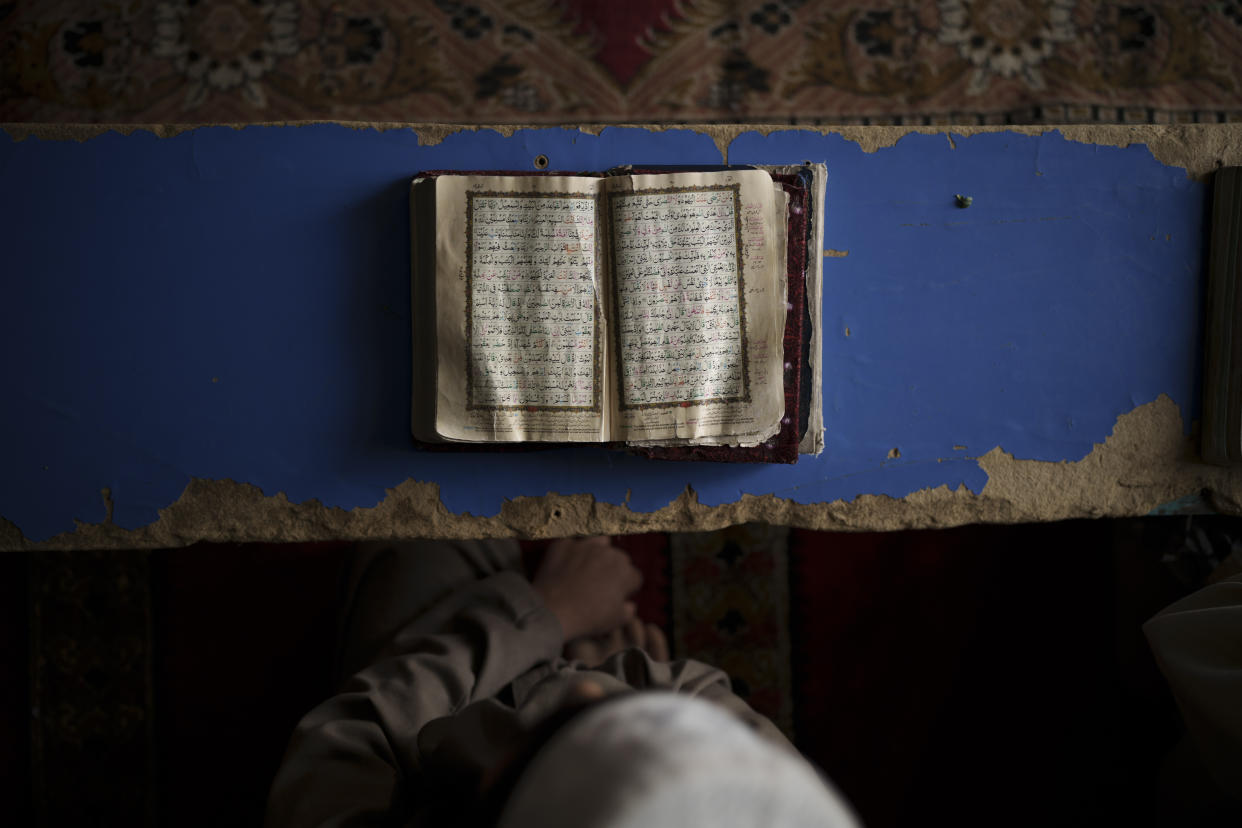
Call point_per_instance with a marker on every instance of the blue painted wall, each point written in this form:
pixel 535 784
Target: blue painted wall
pixel 234 304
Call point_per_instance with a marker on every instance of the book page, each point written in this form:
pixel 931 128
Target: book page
pixel 813 441
pixel 521 337
pixel 698 306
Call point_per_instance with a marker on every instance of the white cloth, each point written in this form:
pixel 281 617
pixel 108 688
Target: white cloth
pixel 1197 642
pixel 662 759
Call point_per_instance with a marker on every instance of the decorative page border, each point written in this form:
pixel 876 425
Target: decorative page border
pixel 596 405
pixel 736 189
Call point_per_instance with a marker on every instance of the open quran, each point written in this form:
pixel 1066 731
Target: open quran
pixel 673 312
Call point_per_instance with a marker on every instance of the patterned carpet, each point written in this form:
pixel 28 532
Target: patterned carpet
pixel 163 686
pixel 565 61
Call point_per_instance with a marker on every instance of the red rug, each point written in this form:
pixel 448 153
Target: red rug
pixel 15 707
pixel 567 61
pixel 987 675
pixel 933 675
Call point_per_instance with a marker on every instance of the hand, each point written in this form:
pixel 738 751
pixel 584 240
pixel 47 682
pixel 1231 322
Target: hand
pixel 635 633
pixel 585 582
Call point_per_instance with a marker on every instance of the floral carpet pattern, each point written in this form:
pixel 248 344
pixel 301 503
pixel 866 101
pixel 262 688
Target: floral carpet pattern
pixel 91 694
pixel 730 608
pixel 565 61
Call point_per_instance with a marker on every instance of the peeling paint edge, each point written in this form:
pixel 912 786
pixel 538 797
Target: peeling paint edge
pixel 1197 148
pixel 1147 461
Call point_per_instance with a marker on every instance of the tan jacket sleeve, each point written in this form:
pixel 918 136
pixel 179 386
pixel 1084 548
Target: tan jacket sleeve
pixel 350 758
pixel 642 672
pixel 1197 642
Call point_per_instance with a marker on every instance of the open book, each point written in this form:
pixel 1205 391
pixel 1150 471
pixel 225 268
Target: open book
pixel 647 309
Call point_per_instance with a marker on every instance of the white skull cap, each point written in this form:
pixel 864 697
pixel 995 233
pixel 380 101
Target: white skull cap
pixel 663 759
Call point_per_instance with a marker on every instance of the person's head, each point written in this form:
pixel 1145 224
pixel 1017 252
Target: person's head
pixel 643 759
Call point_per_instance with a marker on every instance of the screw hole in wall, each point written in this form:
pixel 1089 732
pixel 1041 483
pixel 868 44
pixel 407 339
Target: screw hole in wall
pixel 541 162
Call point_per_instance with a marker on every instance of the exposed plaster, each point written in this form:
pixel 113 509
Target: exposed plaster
pixel 1198 148
pixel 1145 462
